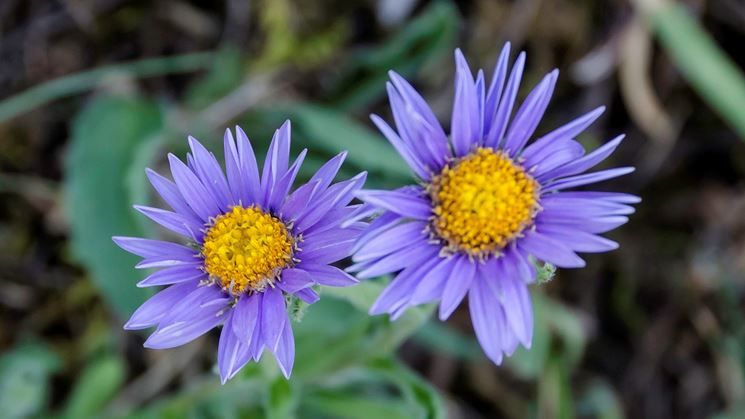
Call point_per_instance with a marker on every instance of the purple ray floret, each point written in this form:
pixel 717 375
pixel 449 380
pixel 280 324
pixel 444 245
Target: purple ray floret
pixel 252 242
pixel 492 197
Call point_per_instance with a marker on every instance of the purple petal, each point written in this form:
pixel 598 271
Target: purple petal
pixel 194 193
pixel 174 275
pixel 419 105
pixel 211 175
pixel 298 201
pixel 284 184
pixel 529 114
pixel 294 279
pixel 579 241
pixel 391 240
pixel 169 192
pixel 495 88
pixel 248 168
pixel 465 129
pixel 277 159
pixel 273 317
pixel 518 309
pixel 550 250
pixel 587 178
pixel 507 101
pixel 173 221
pixel 246 314
pixel 151 312
pixel 328 275
pixel 307 295
pixel 457 286
pixel 590 225
pixel 182 332
pixel 485 312
pixel 584 163
pixel 398 292
pixel 431 287
pixel 574 128
pixel 400 147
pixel 416 253
pixel 285 352
pixel 232 354
pixel 326 174
pixel 398 202
pixel 148 248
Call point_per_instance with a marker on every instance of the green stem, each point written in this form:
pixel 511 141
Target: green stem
pixel 86 80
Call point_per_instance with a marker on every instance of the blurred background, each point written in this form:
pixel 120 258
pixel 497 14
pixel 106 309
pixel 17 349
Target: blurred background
pixel 94 91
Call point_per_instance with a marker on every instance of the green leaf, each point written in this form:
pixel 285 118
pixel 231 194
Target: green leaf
pixel 98 383
pixel 106 137
pixel 334 132
pixel 351 406
pixel 415 389
pixel 711 73
pixel 426 39
pixel 555 391
pixel 281 401
pixel 24 380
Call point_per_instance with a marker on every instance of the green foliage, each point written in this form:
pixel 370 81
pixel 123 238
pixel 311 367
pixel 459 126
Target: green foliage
pixel 714 76
pixel 97 384
pixel 24 380
pixel 106 137
pixel 427 39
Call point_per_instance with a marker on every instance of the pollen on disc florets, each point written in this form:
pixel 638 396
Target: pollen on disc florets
pixel 481 202
pixel 246 248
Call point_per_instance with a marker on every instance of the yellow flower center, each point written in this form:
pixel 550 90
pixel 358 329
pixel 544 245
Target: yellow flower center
pixel 246 248
pixel 482 202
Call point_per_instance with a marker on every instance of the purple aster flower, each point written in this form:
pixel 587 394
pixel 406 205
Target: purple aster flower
pixel 488 203
pixel 252 244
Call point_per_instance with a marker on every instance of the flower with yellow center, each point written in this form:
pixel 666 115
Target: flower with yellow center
pixel 482 202
pixel 241 266
pixel 492 200
pixel 246 248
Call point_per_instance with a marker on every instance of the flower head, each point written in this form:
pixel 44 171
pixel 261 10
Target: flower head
pixel 487 203
pixel 252 244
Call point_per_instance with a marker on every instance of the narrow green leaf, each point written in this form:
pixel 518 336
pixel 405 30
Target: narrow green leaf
pixel 98 383
pixel 711 73
pixel 24 380
pixel 281 401
pixel 87 80
pixel 105 139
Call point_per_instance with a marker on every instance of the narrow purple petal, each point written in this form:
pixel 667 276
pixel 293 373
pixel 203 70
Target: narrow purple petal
pixel 174 275
pixel 402 149
pixel 169 192
pixel 211 175
pixel 232 354
pixel 182 332
pixel 284 184
pixel 326 174
pixel 249 169
pixel 246 315
pixel 307 295
pixel 579 241
pixel 285 352
pixel 194 193
pixel 277 159
pixel 584 163
pixel 587 178
pixel 148 248
pixel 328 275
pixel 430 288
pixel 173 221
pixel 273 317
pixel 151 312
pixel 457 286
pixel 416 253
pixel 495 88
pixel 529 114
pixel 465 129
pixel 550 250
pixel 298 201
pixel 402 203
pixel 398 292
pixel 391 240
pixel 485 312
pixel 518 309
pixel 507 101
pixel 294 279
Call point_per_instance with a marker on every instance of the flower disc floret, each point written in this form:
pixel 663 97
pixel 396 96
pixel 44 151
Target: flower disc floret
pixel 246 248
pixel 482 202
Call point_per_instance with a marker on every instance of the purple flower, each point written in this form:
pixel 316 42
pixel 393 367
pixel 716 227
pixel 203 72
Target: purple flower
pixel 252 244
pixel 488 203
